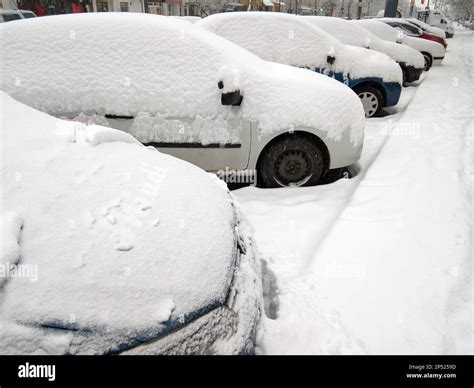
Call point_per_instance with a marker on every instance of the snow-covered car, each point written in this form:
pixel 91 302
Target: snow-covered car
pixel 111 247
pixel 190 19
pixel 433 52
pixel 294 40
pixel 9 15
pixel 426 27
pixel 27 14
pixel 413 30
pixel 187 92
pixel 438 19
pixel 411 61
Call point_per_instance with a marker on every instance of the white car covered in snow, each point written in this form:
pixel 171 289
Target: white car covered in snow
pixel 426 27
pixel 411 61
pixel 187 92
pixel 112 247
pixel 293 40
pixel 432 51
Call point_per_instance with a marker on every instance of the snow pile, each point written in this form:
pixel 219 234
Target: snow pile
pixel 295 41
pixel 96 134
pixel 103 64
pixel 352 34
pixel 126 240
pixel 10 229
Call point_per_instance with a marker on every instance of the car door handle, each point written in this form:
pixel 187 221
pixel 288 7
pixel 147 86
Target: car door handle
pixel 119 117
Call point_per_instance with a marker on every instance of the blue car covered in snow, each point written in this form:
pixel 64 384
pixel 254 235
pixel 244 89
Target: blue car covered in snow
pixel 293 40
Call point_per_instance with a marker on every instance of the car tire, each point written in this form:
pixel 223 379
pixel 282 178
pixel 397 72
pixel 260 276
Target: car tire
pixel 292 161
pixel 405 77
pixel 372 100
pixel 428 61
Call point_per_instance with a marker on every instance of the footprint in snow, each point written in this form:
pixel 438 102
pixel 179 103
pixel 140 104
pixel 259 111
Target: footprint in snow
pixel 123 247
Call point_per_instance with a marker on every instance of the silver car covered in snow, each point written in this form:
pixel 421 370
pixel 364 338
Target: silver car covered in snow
pixel 187 92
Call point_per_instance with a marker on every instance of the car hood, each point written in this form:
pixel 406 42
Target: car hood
pixel 124 243
pixel 370 63
pixel 399 53
pixel 314 99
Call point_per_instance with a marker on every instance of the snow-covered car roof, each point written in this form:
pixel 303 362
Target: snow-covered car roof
pixel 124 242
pixel 350 33
pixel 382 30
pixel 133 64
pixel 294 40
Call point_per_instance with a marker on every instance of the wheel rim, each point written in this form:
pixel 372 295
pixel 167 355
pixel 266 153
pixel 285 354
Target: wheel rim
pixel 370 102
pixel 292 168
pixel 427 62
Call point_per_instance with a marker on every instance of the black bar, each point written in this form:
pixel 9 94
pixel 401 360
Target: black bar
pixel 318 371
pixel 192 145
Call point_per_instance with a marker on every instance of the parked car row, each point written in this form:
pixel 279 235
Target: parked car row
pixel 128 266
pixel 267 93
pixel 433 52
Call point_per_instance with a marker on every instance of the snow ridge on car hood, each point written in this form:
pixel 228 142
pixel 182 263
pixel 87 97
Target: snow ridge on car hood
pixel 80 67
pixel 126 242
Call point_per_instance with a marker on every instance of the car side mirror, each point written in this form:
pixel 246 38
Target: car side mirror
pixel 233 98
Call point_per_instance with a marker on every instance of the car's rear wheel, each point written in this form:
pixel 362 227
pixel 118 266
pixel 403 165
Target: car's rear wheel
pixel 372 100
pixel 428 61
pixel 292 161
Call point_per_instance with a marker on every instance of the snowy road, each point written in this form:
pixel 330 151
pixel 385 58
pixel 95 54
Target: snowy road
pixel 380 263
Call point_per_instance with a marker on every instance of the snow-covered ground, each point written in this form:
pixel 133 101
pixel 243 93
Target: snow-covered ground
pixel 381 263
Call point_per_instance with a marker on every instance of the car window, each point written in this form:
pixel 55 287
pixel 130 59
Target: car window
pixel 28 15
pixel 8 17
pixel 406 29
pixel 412 29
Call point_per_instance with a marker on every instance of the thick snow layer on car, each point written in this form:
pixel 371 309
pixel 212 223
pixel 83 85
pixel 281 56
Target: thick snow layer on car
pixel 293 40
pixel 349 33
pixel 124 240
pixel 163 69
pixel 380 29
